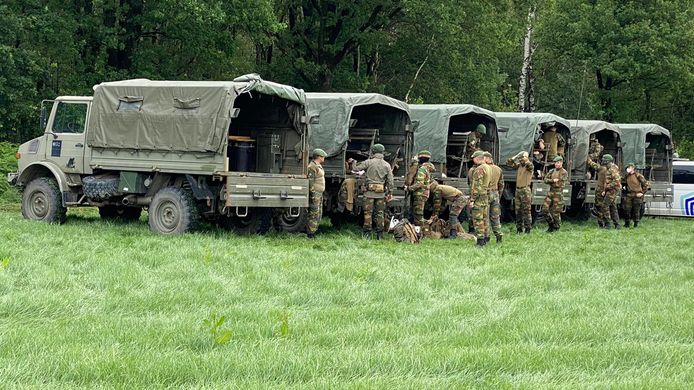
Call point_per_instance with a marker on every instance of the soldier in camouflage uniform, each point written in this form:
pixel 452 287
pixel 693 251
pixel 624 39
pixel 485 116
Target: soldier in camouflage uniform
pixel 379 185
pixel 594 152
pixel 523 198
pixel 455 199
pixel 606 192
pixel 496 187
pixel 557 178
pixel 479 197
pixel 420 191
pixel 637 185
pixel 316 186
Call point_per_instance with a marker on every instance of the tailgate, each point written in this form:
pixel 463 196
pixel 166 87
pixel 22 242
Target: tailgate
pixel 266 191
pixel 660 192
pixel 590 193
pixel 540 190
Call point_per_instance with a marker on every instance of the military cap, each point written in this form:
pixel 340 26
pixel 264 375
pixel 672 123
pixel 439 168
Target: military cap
pixel 487 154
pixel 424 153
pixel 429 166
pixel 319 152
pixel 378 148
pixel 478 153
pixel 482 129
pixel 558 158
pixel 607 157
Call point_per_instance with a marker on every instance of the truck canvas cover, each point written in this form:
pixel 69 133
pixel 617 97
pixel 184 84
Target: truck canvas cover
pixel 634 138
pixel 330 114
pixel 519 130
pixel 177 116
pixel 580 132
pixel 433 120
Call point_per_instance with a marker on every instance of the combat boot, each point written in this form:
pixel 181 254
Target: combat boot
pixel 366 234
pixel 379 235
pixel 616 226
pixel 519 230
pixel 481 242
pixel 454 234
pixel 528 230
pixel 550 228
pixel 627 224
pixel 499 237
pixel 600 224
pixel 636 224
pixel 556 228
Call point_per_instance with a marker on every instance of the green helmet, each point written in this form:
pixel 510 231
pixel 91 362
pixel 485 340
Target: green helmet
pixel 607 158
pixel 424 153
pixel 478 153
pixel 319 152
pixel 378 148
pixel 482 129
pixel 429 166
pixel 558 158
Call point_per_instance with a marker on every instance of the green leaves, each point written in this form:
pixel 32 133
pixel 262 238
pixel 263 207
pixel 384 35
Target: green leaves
pixel 214 325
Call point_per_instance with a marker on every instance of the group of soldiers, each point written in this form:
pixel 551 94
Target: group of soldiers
pixel 486 186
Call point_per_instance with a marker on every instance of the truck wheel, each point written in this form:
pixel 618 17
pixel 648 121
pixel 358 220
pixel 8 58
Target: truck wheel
pixel 173 211
pixel 120 213
pixel 286 223
pixel 42 201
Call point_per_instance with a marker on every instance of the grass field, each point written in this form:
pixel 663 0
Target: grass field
pixel 96 304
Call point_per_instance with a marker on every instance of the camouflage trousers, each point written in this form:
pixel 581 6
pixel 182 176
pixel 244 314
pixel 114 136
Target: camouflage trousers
pixel 632 207
pixel 554 202
pixel 523 205
pixel 457 206
pixel 418 209
pixel 315 209
pixel 606 207
pixel 480 216
pixel 437 202
pixel 495 212
pixel 377 208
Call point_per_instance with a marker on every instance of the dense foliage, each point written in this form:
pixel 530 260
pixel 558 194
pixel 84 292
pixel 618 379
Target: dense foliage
pixel 8 163
pixel 619 60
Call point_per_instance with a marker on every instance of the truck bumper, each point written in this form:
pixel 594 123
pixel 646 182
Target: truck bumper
pixel 12 178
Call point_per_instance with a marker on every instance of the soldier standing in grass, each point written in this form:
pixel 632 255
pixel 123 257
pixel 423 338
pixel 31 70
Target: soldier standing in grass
pixel 316 186
pixel 523 198
pixel 379 185
pixel 606 192
pixel 637 185
pixel 479 197
pixel 420 191
pixel 554 200
pixel 496 187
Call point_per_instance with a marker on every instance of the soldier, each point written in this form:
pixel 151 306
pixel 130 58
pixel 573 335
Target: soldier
pixel 594 152
pixel 479 197
pixel 379 186
pixel 474 141
pixel 316 186
pixel 606 192
pixel 551 141
pixel 456 200
pixel 637 185
pixel 523 198
pixel 554 200
pixel 420 191
pixel 496 187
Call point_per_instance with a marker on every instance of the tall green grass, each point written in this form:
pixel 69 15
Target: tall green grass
pixel 96 304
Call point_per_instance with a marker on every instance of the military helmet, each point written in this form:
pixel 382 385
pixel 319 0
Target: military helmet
pixel 478 153
pixel 482 129
pixel 558 158
pixel 607 158
pixel 424 153
pixel 429 166
pixel 378 148
pixel 319 152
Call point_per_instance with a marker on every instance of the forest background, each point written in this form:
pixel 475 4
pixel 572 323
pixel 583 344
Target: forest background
pixel 620 61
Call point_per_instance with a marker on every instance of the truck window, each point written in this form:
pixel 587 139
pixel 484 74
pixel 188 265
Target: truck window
pixel 70 118
pixel 683 174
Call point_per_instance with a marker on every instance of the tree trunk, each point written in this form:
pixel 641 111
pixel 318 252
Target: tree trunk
pixel 527 61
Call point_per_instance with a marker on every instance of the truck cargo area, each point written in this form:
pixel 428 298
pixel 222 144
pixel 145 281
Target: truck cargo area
pixel 460 129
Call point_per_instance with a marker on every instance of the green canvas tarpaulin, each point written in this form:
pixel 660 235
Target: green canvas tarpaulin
pixel 179 116
pixel 330 115
pixel 432 122
pixel 634 141
pixel 581 131
pixel 519 130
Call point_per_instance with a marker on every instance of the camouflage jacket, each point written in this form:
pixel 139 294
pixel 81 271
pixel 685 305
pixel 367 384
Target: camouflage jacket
pixel 612 179
pixel 480 182
pixel 316 177
pixel 560 174
pixel 421 183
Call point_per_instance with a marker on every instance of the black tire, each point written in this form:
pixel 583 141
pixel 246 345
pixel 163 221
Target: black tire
pixel 173 211
pixel 42 201
pixel 258 221
pixel 120 213
pixel 286 223
pixel 100 187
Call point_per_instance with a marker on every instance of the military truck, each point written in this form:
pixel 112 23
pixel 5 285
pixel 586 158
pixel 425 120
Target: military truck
pixel 346 125
pixel 232 151
pixel 609 136
pixel 650 148
pixel 448 131
pixel 530 132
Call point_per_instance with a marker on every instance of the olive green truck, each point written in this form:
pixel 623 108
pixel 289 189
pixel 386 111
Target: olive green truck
pixel 230 151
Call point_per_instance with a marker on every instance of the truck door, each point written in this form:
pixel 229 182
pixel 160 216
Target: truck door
pixel 65 138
